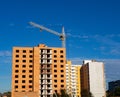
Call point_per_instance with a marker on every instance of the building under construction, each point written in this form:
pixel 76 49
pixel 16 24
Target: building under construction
pixel 38 71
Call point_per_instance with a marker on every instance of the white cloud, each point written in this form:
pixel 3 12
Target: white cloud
pixel 77 36
pixel 107 42
pixel 115 51
pixel 5 57
pixel 5 53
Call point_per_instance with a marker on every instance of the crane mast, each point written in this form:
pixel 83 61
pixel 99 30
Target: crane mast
pixel 61 35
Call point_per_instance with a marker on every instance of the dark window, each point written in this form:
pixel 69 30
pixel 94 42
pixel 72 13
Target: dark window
pixel 23 86
pixel 16 65
pixel 17 51
pixel 16 71
pixel 23 71
pixel 55 65
pixel 55 51
pixel 48 65
pixel 48 70
pixel 55 60
pixel 24 51
pixel 17 60
pixel 48 56
pixel 61 61
pixel 30 60
pixel 55 80
pixel 61 56
pixel 48 85
pixel 23 81
pixel 24 56
pixel 48 75
pixel 30 76
pixel 62 85
pixel 55 75
pixel 61 51
pixel 41 75
pixel 56 91
pixel 55 70
pixel 30 81
pixel 30 56
pixel 48 51
pixel 23 66
pixel 30 86
pixel 30 51
pixel 30 66
pixel 62 75
pixel 55 56
pixel 48 60
pixel 48 92
pixel 30 71
pixel 62 70
pixel 48 80
pixel 62 80
pixel 23 76
pixel 16 81
pixel 55 85
pixel 17 56
pixel 24 60
pixel 16 76
pixel 62 66
pixel 16 86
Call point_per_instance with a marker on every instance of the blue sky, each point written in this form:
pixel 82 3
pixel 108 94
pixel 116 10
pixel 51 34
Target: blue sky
pixel 91 26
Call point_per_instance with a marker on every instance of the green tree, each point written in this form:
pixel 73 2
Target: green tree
pixel 8 94
pixel 114 93
pixel 117 91
pixel 63 93
pixel 0 94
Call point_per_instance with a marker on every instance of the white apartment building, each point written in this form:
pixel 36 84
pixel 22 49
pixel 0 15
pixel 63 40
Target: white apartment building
pixel 93 78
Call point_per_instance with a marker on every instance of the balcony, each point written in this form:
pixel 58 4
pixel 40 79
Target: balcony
pixel 49 82
pixel 44 57
pixel 46 93
pixel 43 61
pixel 49 51
pixel 49 61
pixel 46 77
pixel 46 51
pixel 45 81
pixel 46 88
pixel 49 88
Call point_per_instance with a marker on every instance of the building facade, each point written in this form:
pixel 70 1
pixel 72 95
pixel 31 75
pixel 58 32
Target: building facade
pixel 73 79
pixel 68 77
pixel 93 79
pixel 38 71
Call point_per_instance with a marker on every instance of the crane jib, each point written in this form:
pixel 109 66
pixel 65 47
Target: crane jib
pixel 62 36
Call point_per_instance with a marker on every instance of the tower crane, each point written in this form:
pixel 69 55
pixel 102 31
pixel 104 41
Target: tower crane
pixel 61 35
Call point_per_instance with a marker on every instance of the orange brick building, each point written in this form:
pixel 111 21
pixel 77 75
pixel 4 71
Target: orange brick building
pixel 38 71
